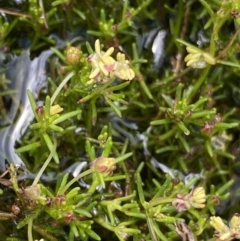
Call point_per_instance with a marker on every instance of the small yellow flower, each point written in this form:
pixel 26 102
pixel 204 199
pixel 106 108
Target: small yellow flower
pixel 224 232
pixel 234 225
pixel 122 69
pixel 218 224
pixel 198 59
pixel 198 198
pixel 55 109
pixel 102 62
pixel 104 66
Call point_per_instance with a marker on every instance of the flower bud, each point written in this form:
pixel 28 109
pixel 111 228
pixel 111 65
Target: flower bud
pixel 216 200
pixel 103 165
pixel 40 111
pixel 69 217
pixel 33 192
pixel 73 55
pixel 60 200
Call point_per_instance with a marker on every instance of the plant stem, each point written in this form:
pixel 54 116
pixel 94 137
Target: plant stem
pixel 57 91
pixel 30 222
pixel 89 171
pixel 37 178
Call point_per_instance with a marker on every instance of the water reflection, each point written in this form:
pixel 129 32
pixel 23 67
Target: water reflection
pixel 24 74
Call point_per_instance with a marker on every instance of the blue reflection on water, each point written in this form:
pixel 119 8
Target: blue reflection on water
pixel 24 74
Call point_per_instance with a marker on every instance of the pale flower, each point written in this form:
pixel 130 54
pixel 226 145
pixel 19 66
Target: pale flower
pixel 105 67
pixel 181 203
pixel 198 59
pixel 198 197
pixel 234 225
pixel 122 69
pixel 102 62
pixel 55 109
pixel 224 232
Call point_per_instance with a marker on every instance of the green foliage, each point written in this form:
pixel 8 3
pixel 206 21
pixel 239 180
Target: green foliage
pixel 145 141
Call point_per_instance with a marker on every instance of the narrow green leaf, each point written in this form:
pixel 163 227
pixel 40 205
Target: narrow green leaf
pixel 92 234
pixel 114 107
pixel 208 8
pixel 224 126
pixel 49 144
pixel 93 111
pixel 55 128
pixel 140 188
pixel 222 190
pixel 146 89
pixel 228 63
pixel 83 212
pixel 108 147
pixel 209 148
pixel 123 157
pixel 29 147
pixel 66 116
pixel 168 100
pixel 62 183
pixel 160 122
pixel 179 92
pixel 47 107
pixel 183 128
pixel 90 151
pixel 118 87
pixel 32 103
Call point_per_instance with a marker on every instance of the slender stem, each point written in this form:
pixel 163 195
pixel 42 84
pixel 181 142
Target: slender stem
pixel 15 13
pixel 43 14
pixel 224 52
pixel 199 82
pixel 30 223
pixel 160 200
pixel 55 94
pixel 89 171
pixel 95 183
pixel 37 178
pixel 102 222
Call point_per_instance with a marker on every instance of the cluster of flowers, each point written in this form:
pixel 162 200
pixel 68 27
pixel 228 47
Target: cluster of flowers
pixel 224 232
pixel 198 59
pixel 196 198
pixel 104 66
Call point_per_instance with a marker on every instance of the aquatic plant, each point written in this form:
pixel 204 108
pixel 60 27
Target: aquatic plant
pixel 120 121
